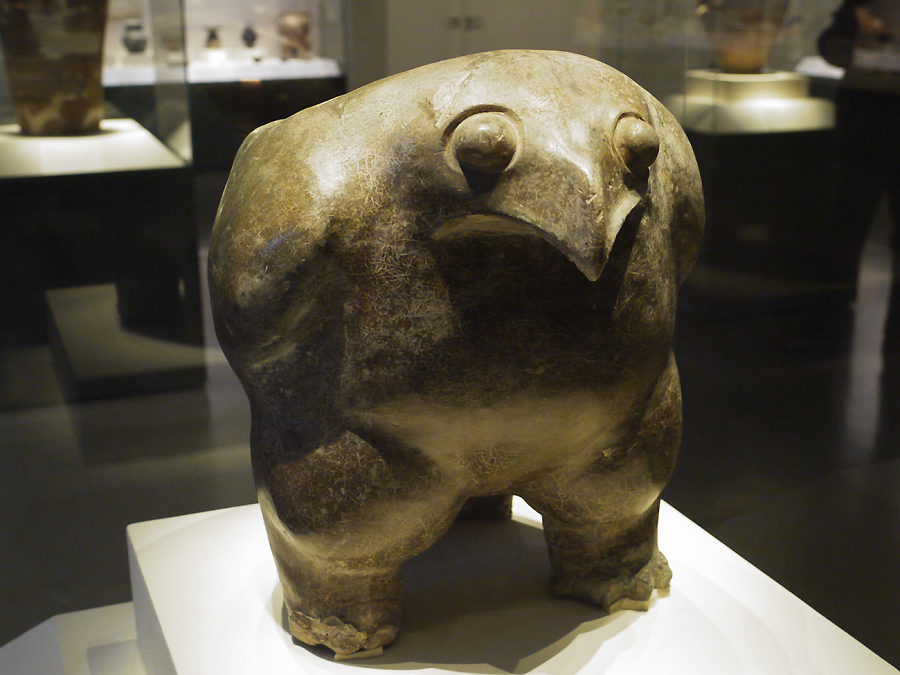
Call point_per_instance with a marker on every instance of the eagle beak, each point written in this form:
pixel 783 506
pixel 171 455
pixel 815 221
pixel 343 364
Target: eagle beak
pixel 488 148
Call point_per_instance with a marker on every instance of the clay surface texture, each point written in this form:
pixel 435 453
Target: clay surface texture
pixel 445 288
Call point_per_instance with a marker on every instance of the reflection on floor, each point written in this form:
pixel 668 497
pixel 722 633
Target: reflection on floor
pixel 788 457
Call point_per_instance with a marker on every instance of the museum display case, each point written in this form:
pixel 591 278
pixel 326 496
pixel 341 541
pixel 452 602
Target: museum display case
pixel 245 64
pixel 755 89
pixel 109 205
pixel 249 64
pixel 99 240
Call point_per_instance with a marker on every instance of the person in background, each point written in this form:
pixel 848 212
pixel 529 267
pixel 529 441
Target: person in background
pixel 863 39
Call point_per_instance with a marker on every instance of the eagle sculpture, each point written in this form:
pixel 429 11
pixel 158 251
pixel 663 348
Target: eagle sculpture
pixel 448 287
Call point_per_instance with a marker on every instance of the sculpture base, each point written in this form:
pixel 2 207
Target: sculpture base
pixel 100 641
pixel 207 600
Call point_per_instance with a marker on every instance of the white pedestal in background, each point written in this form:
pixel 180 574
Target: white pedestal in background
pixel 207 601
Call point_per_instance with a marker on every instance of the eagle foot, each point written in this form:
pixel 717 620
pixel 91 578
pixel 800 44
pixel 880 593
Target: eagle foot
pixel 616 593
pixel 339 636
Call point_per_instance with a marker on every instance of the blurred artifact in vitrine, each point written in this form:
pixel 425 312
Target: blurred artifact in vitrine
pixel 134 37
pixel 53 52
pixel 213 41
pixel 742 33
pixel 250 40
pixel 293 30
pixel 249 36
pixel 468 298
pixel 213 50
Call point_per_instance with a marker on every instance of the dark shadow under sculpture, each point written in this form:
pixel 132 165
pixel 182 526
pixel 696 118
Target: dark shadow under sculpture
pixel 445 288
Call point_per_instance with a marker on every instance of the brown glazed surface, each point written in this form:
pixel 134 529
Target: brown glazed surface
pixel 459 283
pixel 53 52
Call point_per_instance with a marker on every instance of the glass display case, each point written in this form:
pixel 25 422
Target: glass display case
pixel 99 242
pixel 246 64
pixel 756 91
pixel 98 158
pixel 249 64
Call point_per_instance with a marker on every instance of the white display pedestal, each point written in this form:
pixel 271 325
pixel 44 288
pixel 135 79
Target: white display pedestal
pixel 207 601
pixel 92 642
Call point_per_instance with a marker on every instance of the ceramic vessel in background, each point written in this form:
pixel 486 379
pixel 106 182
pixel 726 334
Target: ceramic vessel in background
pixel 249 36
pixel 742 33
pixel 53 52
pixel 135 37
pixel 293 33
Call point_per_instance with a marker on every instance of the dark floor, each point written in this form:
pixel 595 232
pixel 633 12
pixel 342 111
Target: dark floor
pixel 788 457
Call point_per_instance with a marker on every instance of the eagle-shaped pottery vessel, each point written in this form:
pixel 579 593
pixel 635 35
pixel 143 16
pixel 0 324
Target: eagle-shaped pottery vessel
pixel 448 287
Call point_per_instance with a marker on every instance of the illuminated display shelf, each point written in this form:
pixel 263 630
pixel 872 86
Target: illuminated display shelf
pixel 101 235
pixel 725 103
pixel 121 145
pixel 227 71
pixel 267 69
